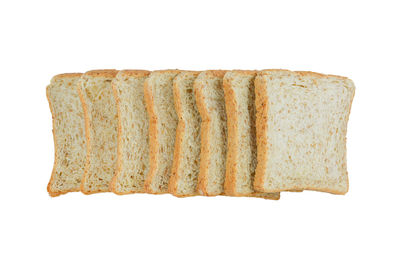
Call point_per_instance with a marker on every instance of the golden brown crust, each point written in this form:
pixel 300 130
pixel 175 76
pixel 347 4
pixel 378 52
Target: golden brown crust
pixel 232 122
pixel 148 97
pixel 205 126
pixel 93 73
pixel 109 73
pixel 244 72
pixel 262 128
pixel 180 130
pixel 173 181
pixel 123 73
pixel 66 75
pixel 215 73
pixel 202 187
pixel 134 73
pixel 52 193
pixel 233 139
pixel 153 144
pixel 176 71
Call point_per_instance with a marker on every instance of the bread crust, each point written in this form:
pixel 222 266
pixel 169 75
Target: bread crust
pixel 262 129
pixel 93 73
pixel 123 73
pixel 66 75
pixel 153 144
pixel 153 152
pixel 233 139
pixel 202 185
pixel 180 132
pixel 232 122
pixel 134 73
pixel 205 126
pixel 53 115
pixel 111 73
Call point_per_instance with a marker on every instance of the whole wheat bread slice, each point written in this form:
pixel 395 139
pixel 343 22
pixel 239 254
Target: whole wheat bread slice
pixel 242 146
pixel 100 109
pixel 210 101
pixel 133 139
pixel 68 133
pixel 301 131
pixel 186 164
pixel 158 91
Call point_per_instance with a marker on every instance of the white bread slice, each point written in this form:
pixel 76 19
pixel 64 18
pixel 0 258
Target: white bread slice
pixel 301 131
pixel 158 92
pixel 101 121
pixel 68 133
pixel 210 101
pixel 133 130
pixel 186 164
pixel 241 159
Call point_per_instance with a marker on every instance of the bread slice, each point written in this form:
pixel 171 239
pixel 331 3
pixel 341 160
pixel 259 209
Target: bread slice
pixel 210 101
pixel 158 91
pixel 242 147
pixel 101 121
pixel 133 139
pixel 68 133
pixel 186 164
pixel 301 131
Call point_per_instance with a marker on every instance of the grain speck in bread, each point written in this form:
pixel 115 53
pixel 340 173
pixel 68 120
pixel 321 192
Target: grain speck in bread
pixel 301 131
pixel 133 139
pixel 68 133
pixel 158 91
pixel 242 147
pixel 95 92
pixel 210 102
pixel 186 164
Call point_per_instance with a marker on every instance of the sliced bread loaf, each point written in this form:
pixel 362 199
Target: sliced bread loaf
pixel 209 94
pixel 301 131
pixel 133 139
pixel 68 133
pixel 242 146
pixel 101 122
pixel 186 164
pixel 158 92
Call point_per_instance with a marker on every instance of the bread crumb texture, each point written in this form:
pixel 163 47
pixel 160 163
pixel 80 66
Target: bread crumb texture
pixel 211 104
pixel 186 165
pixel 301 131
pixel 133 139
pixel 242 147
pixel 162 129
pixel 69 134
pixel 101 129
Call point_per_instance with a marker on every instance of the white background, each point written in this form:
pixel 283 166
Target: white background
pixel 358 39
